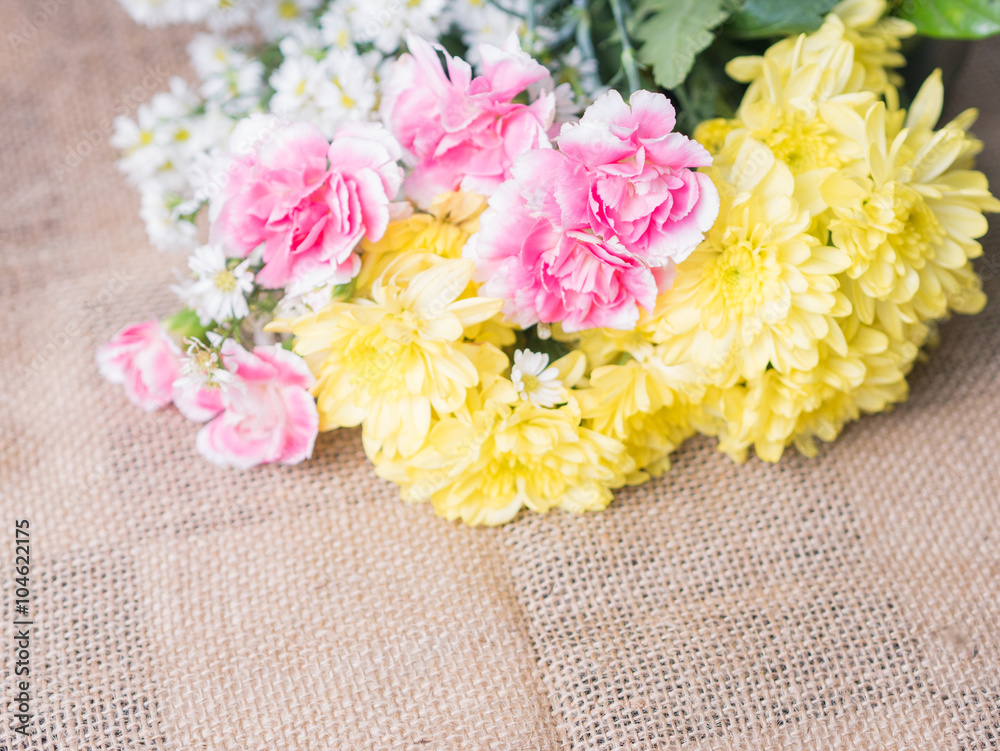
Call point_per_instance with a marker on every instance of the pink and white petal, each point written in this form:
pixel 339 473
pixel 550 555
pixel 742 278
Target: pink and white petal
pixel 290 369
pixel 607 109
pixel 197 404
pixel 652 114
pixel 593 145
pixel 247 366
pixel 509 70
pixel 301 144
pixel 675 150
pixel 301 427
pixel 220 443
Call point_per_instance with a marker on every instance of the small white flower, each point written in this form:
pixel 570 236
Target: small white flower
pixel 160 12
pixel 311 292
pixel 295 84
pixel 336 31
pixel 229 15
pixel 202 368
pixel 347 91
pixel 166 231
pixel 219 292
pixel 279 18
pixel 228 76
pixel 327 92
pixel 535 380
pixel 384 22
pixel 482 22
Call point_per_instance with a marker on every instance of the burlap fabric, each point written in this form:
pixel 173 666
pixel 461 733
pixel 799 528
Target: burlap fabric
pixel 847 602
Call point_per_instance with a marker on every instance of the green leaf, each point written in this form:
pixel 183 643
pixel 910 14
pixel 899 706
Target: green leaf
pixel 760 19
pixel 673 32
pixel 186 325
pixel 953 19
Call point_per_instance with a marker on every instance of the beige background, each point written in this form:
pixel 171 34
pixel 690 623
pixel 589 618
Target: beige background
pixel 848 602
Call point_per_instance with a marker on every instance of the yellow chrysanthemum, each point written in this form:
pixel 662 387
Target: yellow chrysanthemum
pixel 874 41
pixel 643 403
pixel 712 133
pixel 876 38
pixel 884 385
pixel 776 409
pixel 760 290
pixel 443 230
pixel 786 111
pixel 484 464
pixel 605 346
pixel 391 360
pixel 908 218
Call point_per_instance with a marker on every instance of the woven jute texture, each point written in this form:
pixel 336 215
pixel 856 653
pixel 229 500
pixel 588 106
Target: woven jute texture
pixel 846 602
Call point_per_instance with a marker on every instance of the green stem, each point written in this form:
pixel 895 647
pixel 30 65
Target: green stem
pixel 628 53
pixel 500 6
pixel 586 44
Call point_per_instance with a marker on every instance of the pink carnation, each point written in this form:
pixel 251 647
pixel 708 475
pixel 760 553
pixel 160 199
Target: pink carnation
pixel 547 273
pixel 145 360
pixel 589 234
pixel 309 201
pixel 267 413
pixel 637 180
pixel 197 403
pixel 463 133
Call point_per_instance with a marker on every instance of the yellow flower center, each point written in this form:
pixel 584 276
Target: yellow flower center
pixel 737 275
pixel 712 134
pixel 802 145
pixel 288 10
pixel 203 360
pixel 529 382
pixel 224 281
pixel 921 229
pixel 378 363
pixel 345 100
pixel 145 137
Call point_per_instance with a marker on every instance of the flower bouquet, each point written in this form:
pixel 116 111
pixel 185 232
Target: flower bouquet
pixel 530 247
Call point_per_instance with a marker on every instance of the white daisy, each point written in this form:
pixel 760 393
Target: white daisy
pixel 277 19
pixel 160 12
pixel 166 231
pixel 347 91
pixel 535 380
pixel 141 156
pixel 296 83
pixel 336 30
pixel 202 367
pixel 482 22
pixel 227 75
pixel 219 292
pixel 384 22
